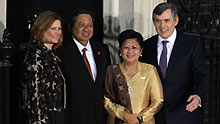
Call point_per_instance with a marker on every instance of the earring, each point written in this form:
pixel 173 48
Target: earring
pixel 141 55
pixel 120 54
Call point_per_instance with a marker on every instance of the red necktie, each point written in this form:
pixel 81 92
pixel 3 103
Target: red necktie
pixel 86 61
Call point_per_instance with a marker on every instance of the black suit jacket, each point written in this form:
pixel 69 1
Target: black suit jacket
pixel 186 75
pixel 85 98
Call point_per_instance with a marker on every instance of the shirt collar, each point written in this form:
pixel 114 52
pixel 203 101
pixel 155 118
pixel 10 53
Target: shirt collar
pixel 80 46
pixel 171 39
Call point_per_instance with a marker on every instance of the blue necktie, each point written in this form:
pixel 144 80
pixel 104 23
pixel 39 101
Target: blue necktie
pixel 163 59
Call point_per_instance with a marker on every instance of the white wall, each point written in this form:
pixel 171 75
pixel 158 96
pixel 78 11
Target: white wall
pixel 2 17
pixel 124 14
pixel 143 16
pixel 118 15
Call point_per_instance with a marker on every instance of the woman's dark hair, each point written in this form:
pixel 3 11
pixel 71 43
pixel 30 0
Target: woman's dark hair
pixel 76 13
pixel 130 34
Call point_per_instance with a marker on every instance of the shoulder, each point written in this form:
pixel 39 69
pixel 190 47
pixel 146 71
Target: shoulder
pixel 34 50
pixel 151 39
pixel 186 38
pixel 96 43
pixel 67 41
pixel 37 52
pixel 150 44
pixel 146 67
pixel 98 47
pixel 112 67
pixel 38 47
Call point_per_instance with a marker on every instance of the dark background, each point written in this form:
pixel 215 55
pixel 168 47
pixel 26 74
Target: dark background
pixel 20 13
pixel 200 18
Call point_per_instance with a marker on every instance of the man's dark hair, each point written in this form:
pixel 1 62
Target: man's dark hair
pixel 160 8
pixel 76 13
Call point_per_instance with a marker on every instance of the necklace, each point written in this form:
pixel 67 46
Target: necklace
pixel 129 89
pixel 128 77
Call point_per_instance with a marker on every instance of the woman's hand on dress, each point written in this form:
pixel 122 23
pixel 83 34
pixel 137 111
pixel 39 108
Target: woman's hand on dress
pixel 131 118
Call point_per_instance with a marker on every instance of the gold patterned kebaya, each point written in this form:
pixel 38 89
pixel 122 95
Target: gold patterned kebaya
pixel 141 94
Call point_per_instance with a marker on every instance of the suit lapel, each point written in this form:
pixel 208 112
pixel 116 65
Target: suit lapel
pixel 96 53
pixel 77 54
pixel 174 54
pixel 79 60
pixel 154 55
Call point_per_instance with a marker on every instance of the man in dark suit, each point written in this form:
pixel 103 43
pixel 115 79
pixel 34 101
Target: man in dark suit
pixel 179 59
pixel 85 82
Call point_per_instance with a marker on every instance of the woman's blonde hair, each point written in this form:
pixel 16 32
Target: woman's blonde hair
pixel 42 23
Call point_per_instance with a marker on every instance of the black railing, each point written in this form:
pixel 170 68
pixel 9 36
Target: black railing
pixel 201 18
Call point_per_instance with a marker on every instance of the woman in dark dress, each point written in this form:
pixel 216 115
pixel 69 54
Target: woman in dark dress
pixel 43 85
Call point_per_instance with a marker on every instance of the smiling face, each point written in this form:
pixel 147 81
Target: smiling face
pixel 83 28
pixel 52 34
pixel 165 23
pixel 130 51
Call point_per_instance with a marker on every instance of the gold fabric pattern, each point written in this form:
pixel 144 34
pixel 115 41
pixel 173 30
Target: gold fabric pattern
pixel 145 87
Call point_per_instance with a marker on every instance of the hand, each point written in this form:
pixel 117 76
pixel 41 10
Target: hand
pixel 194 101
pixel 131 118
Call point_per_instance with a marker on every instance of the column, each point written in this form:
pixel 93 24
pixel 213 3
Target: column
pixel 2 17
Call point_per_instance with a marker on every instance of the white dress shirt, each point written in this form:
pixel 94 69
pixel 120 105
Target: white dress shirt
pixel 170 43
pixel 89 55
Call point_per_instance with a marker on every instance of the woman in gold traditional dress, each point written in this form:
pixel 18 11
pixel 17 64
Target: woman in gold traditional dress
pixel 133 90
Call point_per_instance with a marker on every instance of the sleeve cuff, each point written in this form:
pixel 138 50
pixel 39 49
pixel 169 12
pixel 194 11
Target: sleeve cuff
pixel 200 102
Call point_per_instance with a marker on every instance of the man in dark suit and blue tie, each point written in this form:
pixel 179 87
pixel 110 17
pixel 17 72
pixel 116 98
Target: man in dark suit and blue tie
pixel 84 66
pixel 179 59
